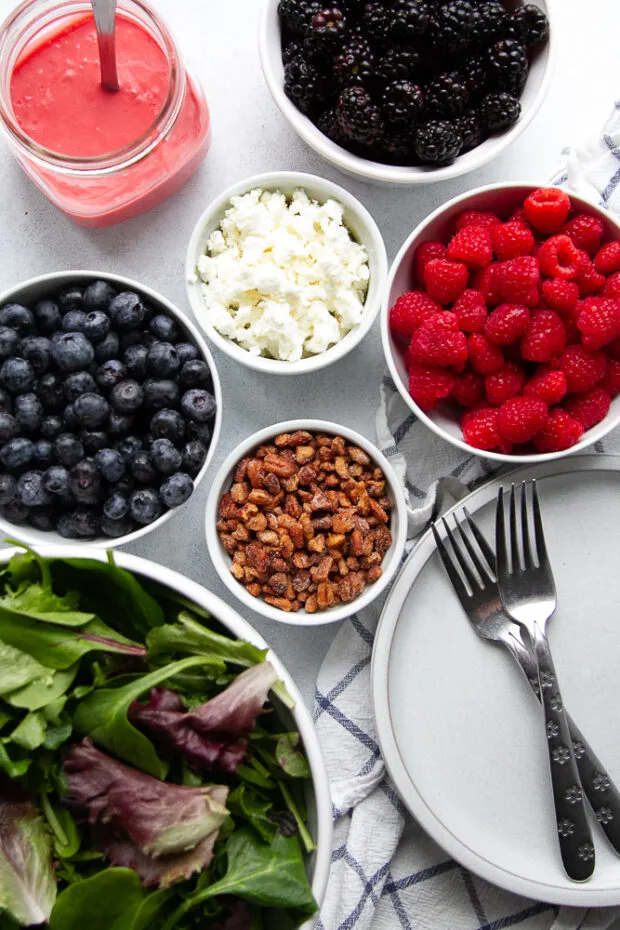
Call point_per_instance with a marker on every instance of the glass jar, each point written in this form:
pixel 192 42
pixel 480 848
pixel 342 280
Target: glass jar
pixel 99 190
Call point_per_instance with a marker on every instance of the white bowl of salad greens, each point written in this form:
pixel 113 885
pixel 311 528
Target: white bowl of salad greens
pixel 158 768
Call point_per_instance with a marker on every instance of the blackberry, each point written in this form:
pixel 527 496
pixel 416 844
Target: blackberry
pixel 475 74
pixel 358 116
pixel 401 103
pixel 377 24
pixel 352 9
pixel 507 66
pixel 410 19
pixel 397 146
pixel 296 14
pixel 354 63
pixel 329 124
pixel 446 95
pixel 437 143
pixel 528 25
pixel 499 111
pixel 397 64
pixel 304 84
pixel 291 50
pixel 470 130
pixel 490 23
pixel 326 33
pixel 451 26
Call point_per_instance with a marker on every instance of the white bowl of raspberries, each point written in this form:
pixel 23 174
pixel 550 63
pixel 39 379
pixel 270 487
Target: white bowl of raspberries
pixel 501 327
pixel 110 409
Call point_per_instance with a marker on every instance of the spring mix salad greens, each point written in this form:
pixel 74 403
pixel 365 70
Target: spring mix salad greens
pixel 143 784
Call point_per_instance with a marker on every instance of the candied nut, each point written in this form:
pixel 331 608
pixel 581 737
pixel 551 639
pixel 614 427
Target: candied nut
pixel 257 555
pixel 228 509
pixel 357 542
pixel 359 456
pixel 306 475
pixel 248 510
pixel 317 543
pixel 321 571
pixel 296 532
pixel 229 543
pixel 241 533
pixel 311 604
pixel 269 538
pixel 375 488
pixel 257 523
pixel 272 521
pixel 383 539
pixel 377 510
pixel 356 471
pixel 322 523
pixel 353 563
pixel 290 484
pixel 341 467
pixel 241 470
pixel 306 524
pixel 286 546
pixel 261 497
pixel 374 572
pixel 272 483
pixel 239 492
pixel 279 466
pixel 256 473
pixel 343 522
pixel 281 602
pixel 304 454
pixel 343 568
pixel 254 589
pixel 301 580
pixel 292 506
pixel 279 582
pixel 276 563
pixel 368 545
pixel 336 540
pixel 240 557
pixel 303 559
pixel 325 595
pixel 237 571
pixel 299 437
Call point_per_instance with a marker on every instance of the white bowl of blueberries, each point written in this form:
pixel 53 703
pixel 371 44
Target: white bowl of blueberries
pixel 110 409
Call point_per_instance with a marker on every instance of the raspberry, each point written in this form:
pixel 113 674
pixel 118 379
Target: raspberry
pixel 471 310
pixel 518 217
pixel 560 432
pixel 586 232
pixel 547 384
pixel 613 349
pixel 468 388
pixel 476 218
pixel 428 385
pixel 480 430
pixel 545 336
pixel 517 280
pixel 439 341
pixel 423 255
pixel 520 418
pixel 598 321
pixel 410 310
pixel 511 240
pixel 484 281
pixel 472 245
pixel 612 286
pixel 506 383
pixel 589 280
pixel 506 324
pixel 484 357
pixel 611 381
pixel 590 407
pixel 560 295
pixel 583 368
pixel 546 209
pixel 607 259
pixel 445 280
pixel 559 258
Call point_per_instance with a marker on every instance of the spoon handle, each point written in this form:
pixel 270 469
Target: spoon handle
pixel 105 14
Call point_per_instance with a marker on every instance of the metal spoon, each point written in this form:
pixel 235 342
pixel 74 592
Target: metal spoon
pixel 105 16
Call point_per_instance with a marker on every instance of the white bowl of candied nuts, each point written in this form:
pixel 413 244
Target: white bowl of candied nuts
pixel 306 522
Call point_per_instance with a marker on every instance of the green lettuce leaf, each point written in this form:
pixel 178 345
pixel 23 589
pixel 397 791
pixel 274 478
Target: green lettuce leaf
pixel 190 636
pixel 45 691
pixel 110 900
pixel 32 600
pixel 19 670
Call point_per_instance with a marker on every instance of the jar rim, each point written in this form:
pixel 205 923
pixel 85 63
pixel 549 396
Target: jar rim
pixel 109 161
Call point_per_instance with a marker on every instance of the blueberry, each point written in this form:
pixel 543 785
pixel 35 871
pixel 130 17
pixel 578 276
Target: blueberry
pixel 19 318
pixel 107 348
pixel 43 453
pixel 110 373
pixel 6 402
pixel 195 374
pixel 176 489
pixel 38 351
pixel 96 326
pixel 79 382
pixel 85 482
pixel 28 412
pixel 111 464
pixel 162 360
pixel 8 489
pixel 68 448
pixel 131 337
pixel 42 518
pixel 135 361
pixel 164 327
pixel 78 524
pixel 17 375
pixel 186 351
pixel 56 481
pixel 125 485
pixel 9 427
pixel 194 456
pixel 70 299
pixel 70 418
pixel 126 310
pixel 165 456
pixel 47 316
pixel 127 397
pixel 50 391
pixel 51 426
pixel 168 424
pixel 9 340
pixel 141 467
pixel 94 440
pixel 128 446
pixel 72 351
pixel 97 296
pixel 199 431
pixel 116 506
pixel 144 505
pixel 16 453
pixel 160 393
pixel 119 424
pixel 74 321
pixel 116 528
pixel 91 410
pixel 15 512
pixel 198 405
pixel 30 490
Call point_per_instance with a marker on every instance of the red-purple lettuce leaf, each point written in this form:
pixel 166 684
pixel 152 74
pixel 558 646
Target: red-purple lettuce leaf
pixel 162 871
pixel 214 734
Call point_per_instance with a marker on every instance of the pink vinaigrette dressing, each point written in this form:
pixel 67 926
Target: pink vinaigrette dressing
pixel 103 156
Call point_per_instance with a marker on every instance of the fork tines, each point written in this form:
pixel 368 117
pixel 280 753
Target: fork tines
pixel 467 563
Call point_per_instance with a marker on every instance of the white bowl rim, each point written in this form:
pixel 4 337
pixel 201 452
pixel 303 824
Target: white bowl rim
pixel 272 180
pixel 385 334
pixel 222 563
pixel 57 278
pixel 376 171
pixel 242 629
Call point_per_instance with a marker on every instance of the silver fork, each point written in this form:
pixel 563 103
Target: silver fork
pixel 527 590
pixel 470 563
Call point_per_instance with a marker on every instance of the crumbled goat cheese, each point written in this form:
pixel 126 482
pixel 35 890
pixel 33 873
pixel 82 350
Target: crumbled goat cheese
pixel 282 276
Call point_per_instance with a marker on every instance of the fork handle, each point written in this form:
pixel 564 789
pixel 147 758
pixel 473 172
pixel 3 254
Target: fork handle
pixel 575 838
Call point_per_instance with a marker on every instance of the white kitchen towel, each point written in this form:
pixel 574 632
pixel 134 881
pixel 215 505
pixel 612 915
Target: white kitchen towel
pixel 386 873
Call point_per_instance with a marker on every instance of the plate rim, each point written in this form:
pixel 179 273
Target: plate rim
pixel 423 549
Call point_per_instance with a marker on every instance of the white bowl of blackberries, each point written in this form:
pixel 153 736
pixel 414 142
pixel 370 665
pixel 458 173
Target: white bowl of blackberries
pixel 407 91
pixel 110 409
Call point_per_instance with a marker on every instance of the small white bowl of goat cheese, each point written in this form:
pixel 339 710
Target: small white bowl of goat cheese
pixel 286 272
